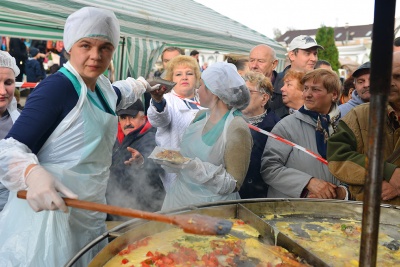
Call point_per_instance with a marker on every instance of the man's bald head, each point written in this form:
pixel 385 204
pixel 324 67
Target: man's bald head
pixel 394 96
pixel 396 56
pixel 265 49
pixel 262 59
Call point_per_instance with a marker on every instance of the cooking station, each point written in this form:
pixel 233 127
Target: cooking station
pixel 302 215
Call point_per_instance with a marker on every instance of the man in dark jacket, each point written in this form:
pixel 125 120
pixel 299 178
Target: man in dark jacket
pixel 18 51
pixel 303 55
pixel 134 179
pixel 348 147
pixel 263 59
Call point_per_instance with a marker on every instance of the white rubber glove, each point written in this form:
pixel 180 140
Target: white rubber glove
pixel 214 177
pixel 43 190
pixel 146 84
pixel 131 90
pixel 137 84
pixel 173 166
pixel 168 169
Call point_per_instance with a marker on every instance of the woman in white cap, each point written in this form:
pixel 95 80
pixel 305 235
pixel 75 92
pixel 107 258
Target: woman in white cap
pixel 61 143
pixel 8 105
pixel 218 141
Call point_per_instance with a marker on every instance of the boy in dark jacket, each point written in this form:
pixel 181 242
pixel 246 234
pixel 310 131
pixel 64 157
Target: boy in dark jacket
pixel 33 71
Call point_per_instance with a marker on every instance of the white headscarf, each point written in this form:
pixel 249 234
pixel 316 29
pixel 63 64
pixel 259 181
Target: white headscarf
pixel 91 22
pixel 223 80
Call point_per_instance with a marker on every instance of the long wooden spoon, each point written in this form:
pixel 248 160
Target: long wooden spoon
pixel 190 223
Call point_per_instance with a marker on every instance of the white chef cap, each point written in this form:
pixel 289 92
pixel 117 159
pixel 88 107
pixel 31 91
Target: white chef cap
pixel 7 61
pixel 91 22
pixel 223 80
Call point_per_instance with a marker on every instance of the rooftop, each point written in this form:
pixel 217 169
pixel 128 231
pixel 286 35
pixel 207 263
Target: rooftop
pixel 352 32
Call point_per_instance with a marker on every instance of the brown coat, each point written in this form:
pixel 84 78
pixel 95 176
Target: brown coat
pixel 347 150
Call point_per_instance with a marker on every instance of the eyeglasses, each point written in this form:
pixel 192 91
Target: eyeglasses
pixel 255 91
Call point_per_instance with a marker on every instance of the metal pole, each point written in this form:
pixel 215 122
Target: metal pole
pixel 381 69
pixel 122 57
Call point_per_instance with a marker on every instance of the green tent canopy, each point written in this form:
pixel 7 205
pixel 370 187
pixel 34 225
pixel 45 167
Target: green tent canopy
pixel 146 28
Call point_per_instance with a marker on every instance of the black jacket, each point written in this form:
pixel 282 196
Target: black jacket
pixel 33 71
pixel 253 185
pixel 276 102
pixel 131 186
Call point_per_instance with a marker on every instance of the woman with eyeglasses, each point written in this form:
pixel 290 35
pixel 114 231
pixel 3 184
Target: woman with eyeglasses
pixel 259 115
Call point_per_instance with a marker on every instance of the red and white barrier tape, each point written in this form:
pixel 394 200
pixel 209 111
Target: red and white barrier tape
pixel 25 85
pixel 276 137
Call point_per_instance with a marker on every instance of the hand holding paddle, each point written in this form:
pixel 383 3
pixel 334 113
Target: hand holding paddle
pixel 190 223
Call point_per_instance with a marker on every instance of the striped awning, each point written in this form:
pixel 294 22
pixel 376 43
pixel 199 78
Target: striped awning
pixel 146 27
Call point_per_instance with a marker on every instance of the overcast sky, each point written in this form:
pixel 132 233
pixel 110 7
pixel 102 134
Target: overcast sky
pixel 265 15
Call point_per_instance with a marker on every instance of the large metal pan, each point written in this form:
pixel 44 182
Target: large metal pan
pixel 250 211
pixel 318 225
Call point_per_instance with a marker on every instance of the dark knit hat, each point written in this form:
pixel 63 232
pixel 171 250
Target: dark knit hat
pixel 132 110
pixel 360 69
pixel 33 51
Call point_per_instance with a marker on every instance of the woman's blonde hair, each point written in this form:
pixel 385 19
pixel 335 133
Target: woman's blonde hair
pixel 262 83
pixel 186 61
pixel 17 95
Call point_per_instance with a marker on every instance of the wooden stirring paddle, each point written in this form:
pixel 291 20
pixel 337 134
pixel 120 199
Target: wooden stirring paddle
pixel 190 223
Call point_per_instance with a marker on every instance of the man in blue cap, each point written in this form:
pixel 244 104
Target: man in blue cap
pixel 361 93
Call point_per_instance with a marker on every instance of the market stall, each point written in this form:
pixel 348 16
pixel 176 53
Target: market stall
pixel 146 28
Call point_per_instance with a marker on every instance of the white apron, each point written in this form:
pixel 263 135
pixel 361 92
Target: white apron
pixel 13 110
pixel 184 190
pixel 78 153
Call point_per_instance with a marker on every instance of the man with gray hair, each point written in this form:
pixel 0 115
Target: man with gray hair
pixel 263 60
pixel 396 44
pixel 348 148
pixel 303 55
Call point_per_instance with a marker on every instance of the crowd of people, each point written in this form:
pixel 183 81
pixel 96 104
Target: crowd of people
pixel 91 139
pixel 36 59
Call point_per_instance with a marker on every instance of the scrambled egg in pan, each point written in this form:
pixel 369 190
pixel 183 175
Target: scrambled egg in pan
pixel 176 248
pixel 337 241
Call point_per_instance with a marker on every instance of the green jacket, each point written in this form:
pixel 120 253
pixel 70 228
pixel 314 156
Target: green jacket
pixel 347 150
